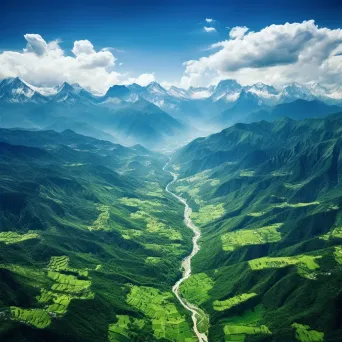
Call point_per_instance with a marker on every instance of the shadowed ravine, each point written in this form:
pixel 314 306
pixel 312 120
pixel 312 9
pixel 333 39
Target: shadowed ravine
pixel 186 263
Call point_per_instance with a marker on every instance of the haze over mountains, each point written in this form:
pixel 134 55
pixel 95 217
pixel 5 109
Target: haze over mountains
pixel 152 115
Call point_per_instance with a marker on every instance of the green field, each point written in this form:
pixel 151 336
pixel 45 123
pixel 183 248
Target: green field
pixel 36 317
pixel 66 286
pixel 305 334
pixel 257 236
pixel 196 288
pixel 101 223
pixel 221 305
pixel 238 332
pixel 338 254
pixel 153 225
pixel 13 237
pixel 208 213
pixel 305 263
pixel 159 307
pixel 125 328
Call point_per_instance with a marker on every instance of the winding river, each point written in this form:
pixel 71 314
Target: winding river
pixel 186 263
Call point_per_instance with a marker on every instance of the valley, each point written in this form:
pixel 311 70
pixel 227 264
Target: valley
pixel 235 238
pixel 198 317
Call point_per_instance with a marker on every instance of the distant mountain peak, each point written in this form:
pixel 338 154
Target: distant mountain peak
pixel 118 91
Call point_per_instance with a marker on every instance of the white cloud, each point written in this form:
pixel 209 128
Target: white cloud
pixel 83 47
pixel 238 32
pixel 209 29
pixel 209 20
pixel 301 52
pixel 35 44
pixel 46 64
pixel 143 79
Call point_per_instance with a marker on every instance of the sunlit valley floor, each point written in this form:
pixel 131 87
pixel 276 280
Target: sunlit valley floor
pixel 91 243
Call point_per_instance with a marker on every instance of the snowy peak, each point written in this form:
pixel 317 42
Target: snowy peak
pixel 178 92
pixel 226 90
pixel 156 89
pixel 294 91
pixel 262 88
pixel 14 90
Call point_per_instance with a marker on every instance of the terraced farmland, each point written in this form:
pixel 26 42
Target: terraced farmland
pixel 257 236
pixel 196 288
pixel 13 237
pixel 305 263
pixel 159 307
pixel 221 305
pixel 305 334
pixel 38 318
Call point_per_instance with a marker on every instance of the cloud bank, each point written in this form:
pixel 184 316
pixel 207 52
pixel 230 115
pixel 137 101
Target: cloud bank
pixel 42 63
pixel 301 52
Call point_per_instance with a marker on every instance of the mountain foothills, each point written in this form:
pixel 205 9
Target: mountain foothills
pixel 90 241
pixel 267 197
pixel 154 116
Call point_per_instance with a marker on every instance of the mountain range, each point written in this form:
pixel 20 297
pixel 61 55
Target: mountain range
pixel 152 115
pixel 91 242
pixel 267 198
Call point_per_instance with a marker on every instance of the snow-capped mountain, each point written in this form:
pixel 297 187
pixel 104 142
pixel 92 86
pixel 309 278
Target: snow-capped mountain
pixel 227 90
pixel 14 90
pixel 295 91
pixel 267 94
pixel 178 92
pixel 181 103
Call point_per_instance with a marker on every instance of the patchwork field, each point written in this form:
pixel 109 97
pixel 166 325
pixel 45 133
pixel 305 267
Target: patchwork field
pixel 305 334
pixel 305 263
pixel 239 332
pixel 257 236
pixel 196 288
pixel 13 237
pixel 221 305
pixel 338 254
pixel 101 223
pixel 36 317
pixel 159 307
pixel 153 225
pixel 125 328
pixel 207 213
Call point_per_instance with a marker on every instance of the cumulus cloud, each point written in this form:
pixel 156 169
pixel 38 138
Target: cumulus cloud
pixel 209 29
pixel 46 63
pixel 300 52
pixel 209 20
pixel 35 44
pixel 143 79
pixel 83 47
pixel 238 32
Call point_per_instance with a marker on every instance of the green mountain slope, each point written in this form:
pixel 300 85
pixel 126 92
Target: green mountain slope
pixel 267 197
pixel 90 243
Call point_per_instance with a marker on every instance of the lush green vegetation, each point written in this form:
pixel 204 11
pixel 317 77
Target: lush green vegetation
pixel 167 322
pixel 305 263
pixel 258 236
pixel 91 243
pixel 238 332
pixel 277 244
pixel 305 334
pixel 196 288
pixel 229 303
pixel 35 317
pixel 13 237
pixel 81 219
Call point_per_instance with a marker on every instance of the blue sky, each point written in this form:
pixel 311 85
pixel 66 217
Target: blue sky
pixel 152 36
